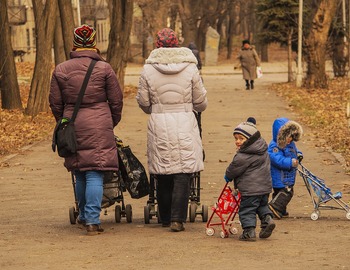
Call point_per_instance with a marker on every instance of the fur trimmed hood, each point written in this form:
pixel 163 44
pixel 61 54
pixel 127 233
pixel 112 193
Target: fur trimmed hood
pixel 283 128
pixel 171 56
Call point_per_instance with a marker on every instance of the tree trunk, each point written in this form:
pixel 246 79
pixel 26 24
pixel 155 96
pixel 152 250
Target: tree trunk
pixel 58 47
pixel 10 95
pixel 202 31
pixel 154 15
pixel 232 25
pixel 189 11
pixel 290 60
pixel 45 17
pixel 66 12
pixel 316 44
pixel 118 46
pixel 264 53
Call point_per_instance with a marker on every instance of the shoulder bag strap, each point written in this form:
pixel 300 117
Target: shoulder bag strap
pixel 82 90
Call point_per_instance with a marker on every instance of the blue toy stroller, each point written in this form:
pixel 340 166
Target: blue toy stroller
pixel 321 194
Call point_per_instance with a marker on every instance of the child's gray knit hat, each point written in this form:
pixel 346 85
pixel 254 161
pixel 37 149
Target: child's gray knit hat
pixel 247 129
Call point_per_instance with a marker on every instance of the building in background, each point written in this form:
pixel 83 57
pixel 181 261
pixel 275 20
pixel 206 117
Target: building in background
pixel 22 25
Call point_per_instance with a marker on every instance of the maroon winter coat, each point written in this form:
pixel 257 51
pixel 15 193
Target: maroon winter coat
pixel 99 112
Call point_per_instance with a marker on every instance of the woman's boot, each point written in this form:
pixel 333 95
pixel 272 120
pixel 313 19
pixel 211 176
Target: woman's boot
pixel 247 85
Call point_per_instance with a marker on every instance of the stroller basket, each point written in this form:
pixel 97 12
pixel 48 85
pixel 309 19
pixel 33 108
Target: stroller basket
pixel 321 194
pixel 226 208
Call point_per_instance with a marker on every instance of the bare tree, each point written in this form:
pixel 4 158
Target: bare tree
pixel 118 46
pixel 316 44
pixel 232 25
pixel 190 13
pixel 155 14
pixel 58 45
pixel 44 13
pixel 10 95
pixel 66 12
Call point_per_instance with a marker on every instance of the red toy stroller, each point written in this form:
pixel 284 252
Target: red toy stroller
pixel 226 209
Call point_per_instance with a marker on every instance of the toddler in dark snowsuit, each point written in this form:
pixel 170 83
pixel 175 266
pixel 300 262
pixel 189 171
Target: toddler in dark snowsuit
pixel 250 170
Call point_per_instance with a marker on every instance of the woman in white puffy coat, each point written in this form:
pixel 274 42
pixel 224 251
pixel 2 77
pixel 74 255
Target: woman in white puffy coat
pixel 170 89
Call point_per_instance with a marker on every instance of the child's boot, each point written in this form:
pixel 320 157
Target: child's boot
pixel 267 226
pixel 248 234
pixel 279 203
pixel 285 214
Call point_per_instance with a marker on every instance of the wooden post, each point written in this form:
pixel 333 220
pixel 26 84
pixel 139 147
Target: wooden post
pixel 299 77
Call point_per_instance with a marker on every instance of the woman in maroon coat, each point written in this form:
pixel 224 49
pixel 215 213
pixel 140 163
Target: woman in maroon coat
pixel 99 113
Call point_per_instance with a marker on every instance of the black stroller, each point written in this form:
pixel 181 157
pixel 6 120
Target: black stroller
pixel 131 177
pixel 195 208
pixel 113 188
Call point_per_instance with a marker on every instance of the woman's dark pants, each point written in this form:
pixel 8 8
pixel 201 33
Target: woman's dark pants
pixel 172 196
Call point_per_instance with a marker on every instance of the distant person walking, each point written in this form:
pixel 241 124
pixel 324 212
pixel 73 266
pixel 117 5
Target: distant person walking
pixel 99 113
pixel 170 88
pixel 192 46
pixel 249 61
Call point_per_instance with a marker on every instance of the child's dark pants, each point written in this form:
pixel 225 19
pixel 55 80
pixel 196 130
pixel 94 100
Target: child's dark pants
pixel 250 207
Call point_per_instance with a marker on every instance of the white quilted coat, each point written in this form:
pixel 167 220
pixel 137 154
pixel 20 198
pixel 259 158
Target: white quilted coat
pixel 170 88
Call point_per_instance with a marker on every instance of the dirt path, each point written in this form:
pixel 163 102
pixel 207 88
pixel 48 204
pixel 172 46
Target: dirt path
pixel 36 194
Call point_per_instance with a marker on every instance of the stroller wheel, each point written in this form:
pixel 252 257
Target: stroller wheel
pixel 118 213
pixel 348 215
pixel 233 230
pixel 192 209
pixel 224 234
pixel 314 216
pixel 146 211
pixel 128 213
pixel 204 213
pixel 210 231
pixel 73 215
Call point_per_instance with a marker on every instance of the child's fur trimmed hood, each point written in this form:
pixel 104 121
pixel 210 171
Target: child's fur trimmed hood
pixel 289 129
pixel 171 56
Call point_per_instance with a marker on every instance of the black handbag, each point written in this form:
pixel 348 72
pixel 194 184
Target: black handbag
pixel 64 137
pixel 132 171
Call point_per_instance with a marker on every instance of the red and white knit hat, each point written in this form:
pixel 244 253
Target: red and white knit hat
pixel 166 38
pixel 84 37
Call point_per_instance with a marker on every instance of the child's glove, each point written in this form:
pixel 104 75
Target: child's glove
pixel 227 179
pixel 300 156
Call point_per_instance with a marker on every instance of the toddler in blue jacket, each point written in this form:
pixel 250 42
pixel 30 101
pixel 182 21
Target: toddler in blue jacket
pixel 284 157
